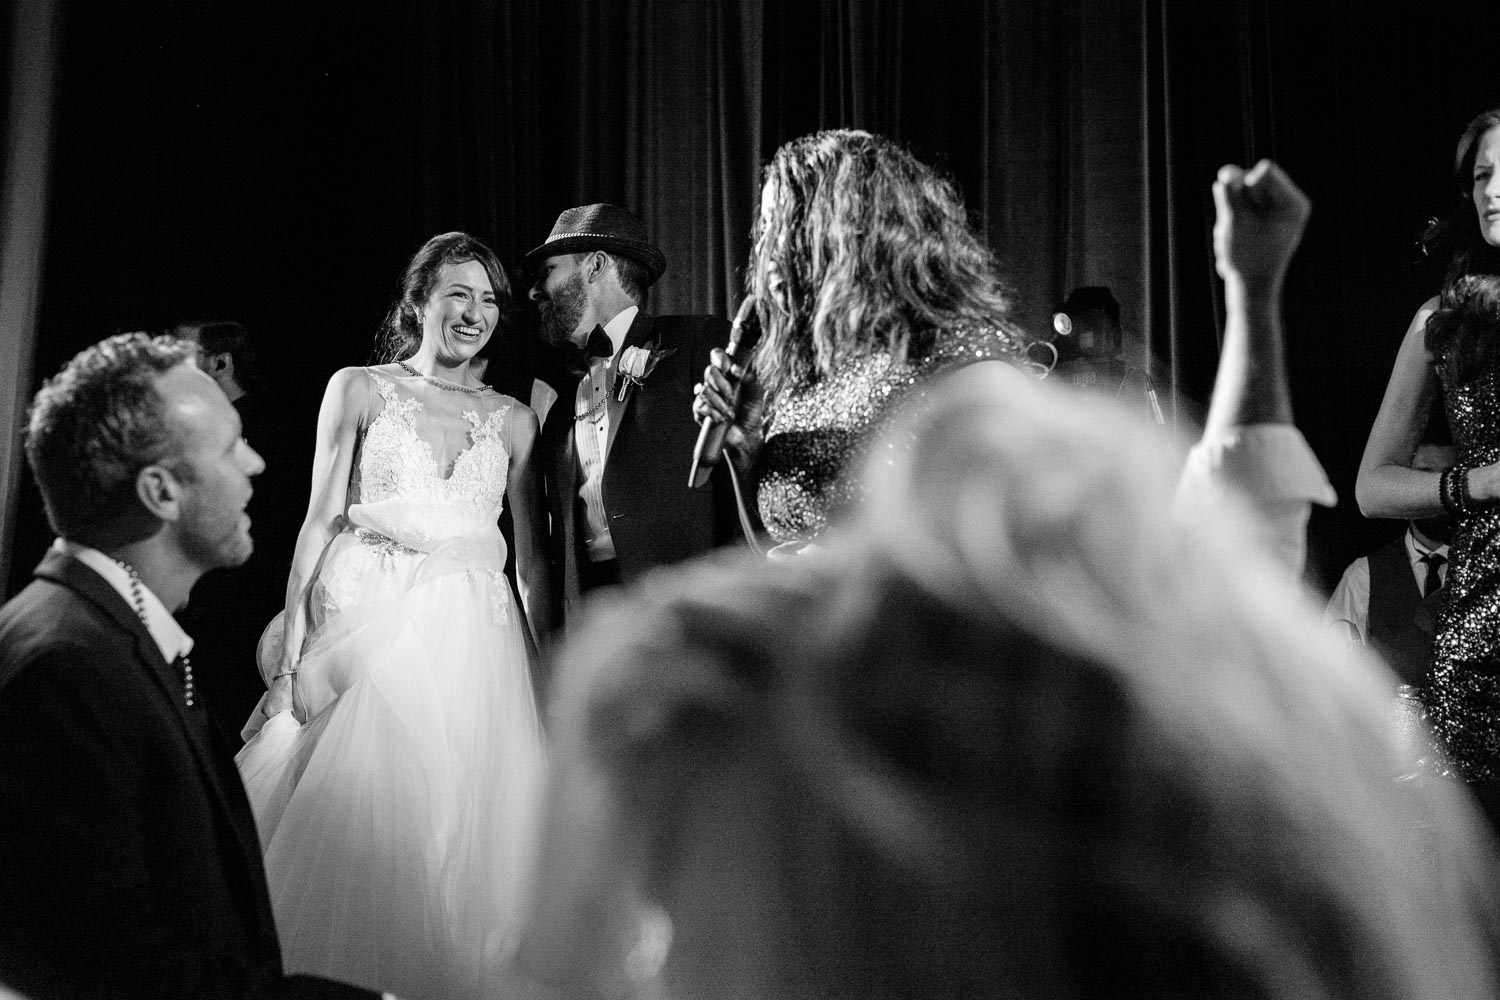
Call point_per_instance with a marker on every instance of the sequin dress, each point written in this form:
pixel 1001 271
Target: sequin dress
pixel 1464 700
pixel 398 819
pixel 817 435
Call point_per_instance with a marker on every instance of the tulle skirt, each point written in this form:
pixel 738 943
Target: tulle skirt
pixel 397 821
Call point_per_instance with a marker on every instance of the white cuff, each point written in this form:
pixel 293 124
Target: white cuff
pixel 1270 469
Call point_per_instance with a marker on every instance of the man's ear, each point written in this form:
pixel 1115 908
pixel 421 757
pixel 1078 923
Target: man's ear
pixel 159 492
pixel 594 265
pixel 221 364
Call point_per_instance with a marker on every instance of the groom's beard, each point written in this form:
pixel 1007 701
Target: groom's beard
pixel 561 313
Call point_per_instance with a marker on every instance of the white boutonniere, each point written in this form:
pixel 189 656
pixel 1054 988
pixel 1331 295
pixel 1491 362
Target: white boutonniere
pixel 637 364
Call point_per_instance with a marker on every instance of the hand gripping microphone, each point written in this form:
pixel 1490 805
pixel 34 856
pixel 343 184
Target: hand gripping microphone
pixel 742 340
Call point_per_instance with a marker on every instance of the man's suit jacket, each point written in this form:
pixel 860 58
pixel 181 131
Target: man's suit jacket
pixel 1394 624
pixel 129 862
pixel 654 517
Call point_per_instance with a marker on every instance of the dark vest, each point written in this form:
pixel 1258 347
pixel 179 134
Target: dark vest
pixel 1393 628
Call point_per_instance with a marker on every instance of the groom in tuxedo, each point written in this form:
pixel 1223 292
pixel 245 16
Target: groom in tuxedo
pixel 619 445
pixel 129 862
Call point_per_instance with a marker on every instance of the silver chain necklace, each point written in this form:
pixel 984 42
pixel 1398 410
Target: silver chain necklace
pixel 139 600
pixel 442 383
pixel 598 406
pixel 593 411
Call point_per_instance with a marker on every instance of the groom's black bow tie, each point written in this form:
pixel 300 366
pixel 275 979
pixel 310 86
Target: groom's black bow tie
pixel 598 346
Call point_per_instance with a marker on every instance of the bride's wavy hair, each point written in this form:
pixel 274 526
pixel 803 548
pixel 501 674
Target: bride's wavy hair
pixel 861 247
pixel 401 333
pixel 1467 319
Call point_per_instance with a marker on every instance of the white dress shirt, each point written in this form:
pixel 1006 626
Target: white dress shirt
pixel 1267 466
pixel 170 638
pixel 1348 611
pixel 592 433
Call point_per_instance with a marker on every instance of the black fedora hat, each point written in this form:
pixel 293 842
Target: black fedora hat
pixel 601 227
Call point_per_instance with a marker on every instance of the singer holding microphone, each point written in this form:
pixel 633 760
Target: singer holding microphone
pixel 617 450
pixel 865 283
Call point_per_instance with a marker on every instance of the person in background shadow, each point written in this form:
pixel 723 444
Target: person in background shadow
pixel 230 607
pixel 129 863
pixel 1385 600
pixel 1090 344
pixel 1388 600
pixel 226 352
pixel 618 449
pixel 1016 732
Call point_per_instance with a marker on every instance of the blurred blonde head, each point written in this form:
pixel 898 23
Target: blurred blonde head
pixel 1018 733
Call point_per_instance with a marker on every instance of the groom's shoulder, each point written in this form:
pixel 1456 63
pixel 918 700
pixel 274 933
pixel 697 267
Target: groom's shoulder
pixel 693 329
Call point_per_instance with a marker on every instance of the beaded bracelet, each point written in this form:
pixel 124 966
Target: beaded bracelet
pixel 1446 494
pixel 1466 501
pixel 284 673
pixel 1453 492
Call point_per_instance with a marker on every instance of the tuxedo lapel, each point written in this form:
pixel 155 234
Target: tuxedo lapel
pixel 639 335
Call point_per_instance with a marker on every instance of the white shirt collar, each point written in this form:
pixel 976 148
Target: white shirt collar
pixel 1415 550
pixel 619 326
pixel 170 638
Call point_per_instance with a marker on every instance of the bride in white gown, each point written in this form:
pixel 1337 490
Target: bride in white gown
pixel 397 816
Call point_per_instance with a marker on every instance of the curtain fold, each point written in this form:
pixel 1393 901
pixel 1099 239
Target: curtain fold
pixel 282 173
pixel 25 173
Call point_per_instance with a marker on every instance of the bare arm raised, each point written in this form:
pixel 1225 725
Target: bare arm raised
pixel 1259 221
pixel 340 421
pixel 1250 447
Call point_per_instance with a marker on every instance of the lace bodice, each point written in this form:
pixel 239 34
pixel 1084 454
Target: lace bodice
pixel 399 487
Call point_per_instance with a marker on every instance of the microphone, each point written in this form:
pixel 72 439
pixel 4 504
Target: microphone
pixel 1155 405
pixel 710 447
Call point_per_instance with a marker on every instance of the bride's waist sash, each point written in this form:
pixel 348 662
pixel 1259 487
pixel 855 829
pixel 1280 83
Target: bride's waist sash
pixel 405 528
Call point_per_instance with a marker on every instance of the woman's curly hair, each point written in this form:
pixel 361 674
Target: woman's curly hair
pixel 861 247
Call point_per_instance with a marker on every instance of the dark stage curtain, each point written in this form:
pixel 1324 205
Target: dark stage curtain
pixel 28 30
pixel 279 165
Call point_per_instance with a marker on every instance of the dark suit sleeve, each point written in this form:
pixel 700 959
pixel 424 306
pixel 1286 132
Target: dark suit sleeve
pixel 79 755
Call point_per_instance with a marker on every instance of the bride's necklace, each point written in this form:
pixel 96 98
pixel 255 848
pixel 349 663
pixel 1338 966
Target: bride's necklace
pixel 139 601
pixel 442 383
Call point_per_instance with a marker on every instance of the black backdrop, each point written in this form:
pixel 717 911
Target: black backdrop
pixel 278 163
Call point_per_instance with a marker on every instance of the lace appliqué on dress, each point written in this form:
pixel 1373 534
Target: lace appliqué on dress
pixel 397 468
pixel 396 462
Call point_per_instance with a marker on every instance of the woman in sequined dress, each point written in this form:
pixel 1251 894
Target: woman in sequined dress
pixel 1450 353
pixel 396 764
pixel 868 284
